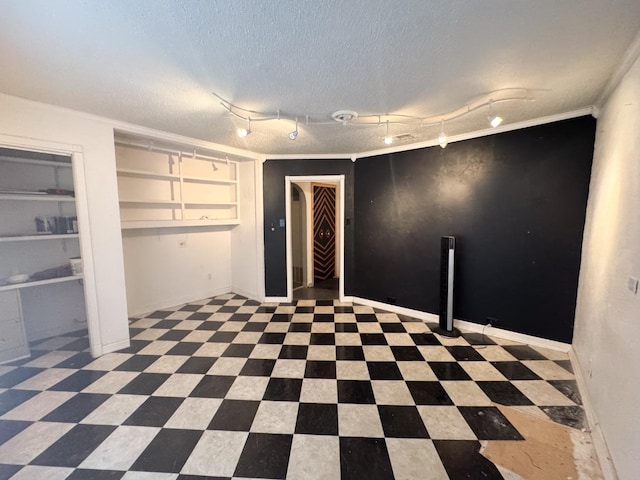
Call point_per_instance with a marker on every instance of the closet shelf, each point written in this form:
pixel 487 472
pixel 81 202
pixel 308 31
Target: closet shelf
pixel 147 174
pixel 16 286
pixel 178 223
pixel 211 204
pixel 31 161
pixel 212 181
pixel 151 202
pixel 22 238
pixel 41 198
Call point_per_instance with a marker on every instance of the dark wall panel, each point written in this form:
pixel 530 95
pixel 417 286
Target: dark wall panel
pixel 516 203
pixel 274 210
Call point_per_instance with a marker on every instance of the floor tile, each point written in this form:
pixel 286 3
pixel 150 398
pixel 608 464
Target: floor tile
pixel 384 371
pixel 258 367
pixel 227 366
pixel 496 353
pixel 461 459
pixel 364 458
pixel 504 393
pixel 215 454
pixel 154 412
pixel 74 446
pixel 401 422
pixel 265 455
pixel 169 363
pixel 378 353
pixel 320 369
pixel 319 390
pixel 548 370
pixel 314 457
pixel 31 442
pixel 391 392
pixel 194 413
pixel 359 421
pixel 115 410
pixel 465 353
pixel 351 370
pixel 45 379
pixel 144 384
pixel 414 459
pixel 317 419
pixel 428 393
pixel 10 428
pixel 466 393
pixel 449 371
pixel 168 451
pixel 32 472
pixel 234 415
pixel 121 448
pixel 79 380
pixel 38 406
pixel 445 423
pixel 355 391
pixel 283 389
pixel 542 393
pixel 570 416
pixel 432 353
pixel 213 386
pixel 275 417
pixel 350 353
pixel 289 368
pixel 19 375
pixel 248 388
pixel 482 371
pixel 569 388
pixel 515 371
pixel 489 424
pixel 524 352
pixel 294 352
pixel 76 408
pixel 137 363
pixel 178 385
pixel 196 365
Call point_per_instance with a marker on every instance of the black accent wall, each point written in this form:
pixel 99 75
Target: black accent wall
pixel 275 258
pixel 514 201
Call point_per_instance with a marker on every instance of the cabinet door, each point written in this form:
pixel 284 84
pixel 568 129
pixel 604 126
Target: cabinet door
pixel 13 341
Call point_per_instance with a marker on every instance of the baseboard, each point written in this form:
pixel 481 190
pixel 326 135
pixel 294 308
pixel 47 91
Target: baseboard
pixel 276 299
pixel 469 326
pixel 597 437
pixel 114 347
pixel 245 293
pixel 179 301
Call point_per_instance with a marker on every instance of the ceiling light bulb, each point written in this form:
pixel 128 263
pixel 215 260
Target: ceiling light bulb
pixel 495 121
pixel 243 132
pixel 442 140
pixel 388 139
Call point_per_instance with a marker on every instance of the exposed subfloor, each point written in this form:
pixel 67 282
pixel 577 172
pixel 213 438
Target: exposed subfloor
pixel 231 388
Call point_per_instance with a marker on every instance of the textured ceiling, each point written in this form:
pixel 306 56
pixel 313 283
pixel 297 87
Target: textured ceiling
pixel 155 62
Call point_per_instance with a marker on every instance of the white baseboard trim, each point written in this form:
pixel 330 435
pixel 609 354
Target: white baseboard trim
pixel 276 299
pixel 180 300
pixel 245 293
pixel 597 436
pixel 469 326
pixel 115 346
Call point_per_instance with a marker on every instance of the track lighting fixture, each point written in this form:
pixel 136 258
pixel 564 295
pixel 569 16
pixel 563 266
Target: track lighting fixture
pixel 293 135
pixel 243 132
pixel 442 138
pixel 349 118
pixel 388 139
pixel 494 120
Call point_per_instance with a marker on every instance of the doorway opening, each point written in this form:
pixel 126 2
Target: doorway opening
pixel 315 246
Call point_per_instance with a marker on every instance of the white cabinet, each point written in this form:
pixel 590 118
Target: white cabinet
pixel 38 237
pixel 162 188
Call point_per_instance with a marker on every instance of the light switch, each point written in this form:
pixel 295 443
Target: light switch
pixel 633 285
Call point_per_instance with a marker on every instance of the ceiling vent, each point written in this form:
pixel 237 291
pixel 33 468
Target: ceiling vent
pixel 344 116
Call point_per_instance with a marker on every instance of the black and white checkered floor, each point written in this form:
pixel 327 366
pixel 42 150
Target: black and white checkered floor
pixel 230 388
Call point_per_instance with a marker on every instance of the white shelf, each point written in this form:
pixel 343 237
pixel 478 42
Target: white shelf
pixel 212 181
pixel 213 204
pixel 32 161
pixel 152 202
pixel 178 223
pixel 44 236
pixel 16 286
pixel 147 174
pixel 41 198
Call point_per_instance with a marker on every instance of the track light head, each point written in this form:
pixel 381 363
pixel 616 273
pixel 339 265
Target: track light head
pixel 243 132
pixel 293 135
pixel 442 138
pixel 388 140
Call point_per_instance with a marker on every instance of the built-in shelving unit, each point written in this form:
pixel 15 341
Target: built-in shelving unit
pixel 168 188
pixel 39 236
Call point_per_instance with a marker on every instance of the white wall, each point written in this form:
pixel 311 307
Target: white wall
pixel 607 324
pixel 33 120
pixel 247 276
pixel 165 267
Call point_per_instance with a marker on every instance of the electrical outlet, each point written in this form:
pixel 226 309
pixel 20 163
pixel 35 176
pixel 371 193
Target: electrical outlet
pixel 633 285
pixel 493 322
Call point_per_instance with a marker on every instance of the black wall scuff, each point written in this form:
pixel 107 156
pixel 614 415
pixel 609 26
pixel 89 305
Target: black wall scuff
pixel 516 202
